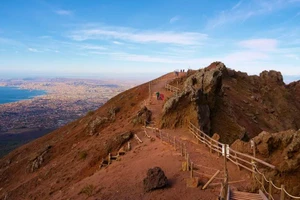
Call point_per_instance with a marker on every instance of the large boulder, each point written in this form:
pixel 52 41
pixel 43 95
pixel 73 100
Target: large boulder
pixel 155 179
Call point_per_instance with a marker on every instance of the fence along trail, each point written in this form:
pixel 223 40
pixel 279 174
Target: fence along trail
pixel 245 161
pixel 241 160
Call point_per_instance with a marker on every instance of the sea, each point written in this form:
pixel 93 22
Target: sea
pixel 13 94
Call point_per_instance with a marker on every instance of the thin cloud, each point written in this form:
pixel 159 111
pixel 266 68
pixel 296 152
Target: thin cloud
pixel 118 43
pixel 174 19
pixel 93 47
pixel 260 44
pixel 245 10
pixel 64 12
pixel 33 50
pixel 237 5
pixel 138 36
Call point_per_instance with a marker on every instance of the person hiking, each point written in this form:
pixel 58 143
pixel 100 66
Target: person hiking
pixel 157 95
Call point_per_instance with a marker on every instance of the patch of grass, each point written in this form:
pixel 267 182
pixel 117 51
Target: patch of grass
pixel 83 155
pixel 91 112
pixel 88 190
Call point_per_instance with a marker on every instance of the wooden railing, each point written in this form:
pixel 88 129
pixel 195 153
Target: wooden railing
pixel 242 160
pixel 194 168
pixel 173 89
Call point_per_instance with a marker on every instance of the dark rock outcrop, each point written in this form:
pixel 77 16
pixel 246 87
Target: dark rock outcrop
pixel 202 88
pixel 281 149
pixel 143 116
pixel 37 160
pixel 233 104
pixel 155 179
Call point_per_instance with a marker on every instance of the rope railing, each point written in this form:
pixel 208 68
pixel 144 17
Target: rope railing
pixel 271 185
pixel 245 161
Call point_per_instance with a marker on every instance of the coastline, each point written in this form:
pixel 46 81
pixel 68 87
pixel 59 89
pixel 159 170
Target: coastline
pixel 27 96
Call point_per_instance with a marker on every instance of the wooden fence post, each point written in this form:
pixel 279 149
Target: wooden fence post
pixel 225 171
pixel 253 170
pixel 282 193
pixel 210 148
pixel 270 189
pixel 108 159
pixel 253 148
pixel 128 146
pixel 262 182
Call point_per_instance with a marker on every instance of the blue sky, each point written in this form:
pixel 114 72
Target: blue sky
pixel 68 37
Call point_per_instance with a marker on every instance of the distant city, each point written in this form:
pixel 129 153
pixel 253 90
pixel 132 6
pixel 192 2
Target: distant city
pixel 65 101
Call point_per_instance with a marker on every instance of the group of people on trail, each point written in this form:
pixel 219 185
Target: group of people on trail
pixel 176 72
pixel 159 96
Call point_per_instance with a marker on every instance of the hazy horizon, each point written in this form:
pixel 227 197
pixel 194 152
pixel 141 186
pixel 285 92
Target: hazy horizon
pixel 138 77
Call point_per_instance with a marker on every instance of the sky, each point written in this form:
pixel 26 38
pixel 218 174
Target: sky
pixel 134 37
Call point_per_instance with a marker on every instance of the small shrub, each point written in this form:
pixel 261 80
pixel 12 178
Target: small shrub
pixel 89 113
pixel 88 190
pixel 83 155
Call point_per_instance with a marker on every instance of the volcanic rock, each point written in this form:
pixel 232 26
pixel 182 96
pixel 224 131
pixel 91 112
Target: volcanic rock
pixel 155 179
pixel 143 116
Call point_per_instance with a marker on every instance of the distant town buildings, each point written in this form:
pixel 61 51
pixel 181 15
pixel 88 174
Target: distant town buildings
pixel 67 100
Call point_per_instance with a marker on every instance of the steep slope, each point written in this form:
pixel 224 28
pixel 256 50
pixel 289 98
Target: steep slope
pixel 233 104
pixel 72 152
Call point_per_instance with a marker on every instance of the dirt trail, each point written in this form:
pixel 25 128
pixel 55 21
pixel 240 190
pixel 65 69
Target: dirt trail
pixel 208 162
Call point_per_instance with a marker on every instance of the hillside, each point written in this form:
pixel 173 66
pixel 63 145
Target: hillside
pixel 220 100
